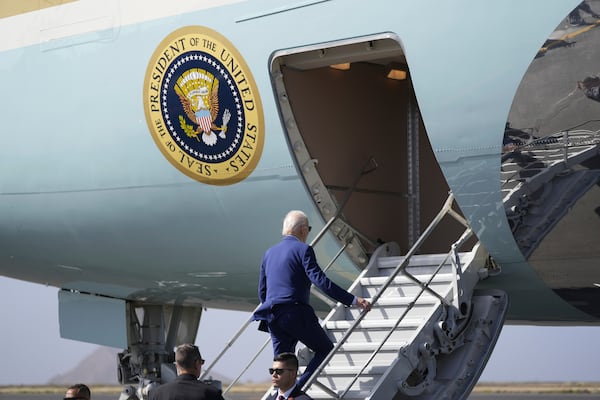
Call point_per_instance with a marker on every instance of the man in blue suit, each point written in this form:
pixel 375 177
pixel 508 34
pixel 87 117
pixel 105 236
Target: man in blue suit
pixel 286 274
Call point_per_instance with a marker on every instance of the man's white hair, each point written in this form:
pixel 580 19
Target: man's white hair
pixel 293 221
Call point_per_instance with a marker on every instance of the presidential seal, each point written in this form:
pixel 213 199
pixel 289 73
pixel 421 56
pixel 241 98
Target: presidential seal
pixel 202 106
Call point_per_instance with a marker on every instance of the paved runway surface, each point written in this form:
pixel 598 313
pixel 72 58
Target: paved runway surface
pixel 254 396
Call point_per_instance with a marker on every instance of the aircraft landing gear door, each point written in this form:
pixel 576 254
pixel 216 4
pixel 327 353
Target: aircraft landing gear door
pixel 354 128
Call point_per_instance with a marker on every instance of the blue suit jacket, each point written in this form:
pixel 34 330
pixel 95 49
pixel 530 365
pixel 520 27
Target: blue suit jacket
pixel 286 273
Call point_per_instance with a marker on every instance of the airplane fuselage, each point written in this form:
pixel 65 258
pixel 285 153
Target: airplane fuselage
pixel 100 195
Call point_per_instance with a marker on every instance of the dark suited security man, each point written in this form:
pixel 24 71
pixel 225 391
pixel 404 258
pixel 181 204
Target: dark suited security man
pixel 283 377
pixel 286 273
pixel 186 386
pixel 78 391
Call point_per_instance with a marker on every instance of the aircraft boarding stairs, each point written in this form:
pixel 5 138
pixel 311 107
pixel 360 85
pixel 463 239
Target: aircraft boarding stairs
pixel 425 336
pixel 428 335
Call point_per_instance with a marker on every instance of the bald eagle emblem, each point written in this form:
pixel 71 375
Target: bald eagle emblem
pixel 198 92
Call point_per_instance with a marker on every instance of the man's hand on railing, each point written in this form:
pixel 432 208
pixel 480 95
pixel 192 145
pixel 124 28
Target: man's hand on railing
pixel 364 304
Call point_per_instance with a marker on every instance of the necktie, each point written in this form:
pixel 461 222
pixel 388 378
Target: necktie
pixel 281 397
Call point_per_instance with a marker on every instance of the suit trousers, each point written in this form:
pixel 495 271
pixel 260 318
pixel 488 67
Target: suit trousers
pixel 297 322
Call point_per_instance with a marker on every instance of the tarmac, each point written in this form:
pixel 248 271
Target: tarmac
pixel 483 391
pixel 257 396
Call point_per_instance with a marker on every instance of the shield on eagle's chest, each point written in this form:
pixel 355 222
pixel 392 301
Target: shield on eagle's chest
pixel 204 120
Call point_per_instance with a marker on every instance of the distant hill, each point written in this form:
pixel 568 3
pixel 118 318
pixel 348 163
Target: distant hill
pixel 100 368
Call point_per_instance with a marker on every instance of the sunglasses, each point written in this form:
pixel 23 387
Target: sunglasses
pixel 278 371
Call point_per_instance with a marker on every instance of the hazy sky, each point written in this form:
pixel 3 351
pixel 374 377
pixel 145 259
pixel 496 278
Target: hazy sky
pixel 32 351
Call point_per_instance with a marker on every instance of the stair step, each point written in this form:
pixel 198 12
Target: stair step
pixel 403 286
pixel 421 264
pixel 370 347
pixel 422 273
pixel 374 330
pixel 318 394
pixel 352 370
pixel 375 324
pixel 339 377
pixel 424 300
pixel 360 353
pixel 421 260
pixel 393 307
pixel 404 280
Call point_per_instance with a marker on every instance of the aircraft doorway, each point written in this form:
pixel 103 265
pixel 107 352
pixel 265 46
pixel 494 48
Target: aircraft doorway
pixel 355 132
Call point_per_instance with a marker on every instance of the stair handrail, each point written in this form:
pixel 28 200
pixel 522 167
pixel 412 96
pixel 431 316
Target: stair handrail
pixel 423 288
pixel 400 268
pixel 237 378
pixel 316 293
pixel 340 208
